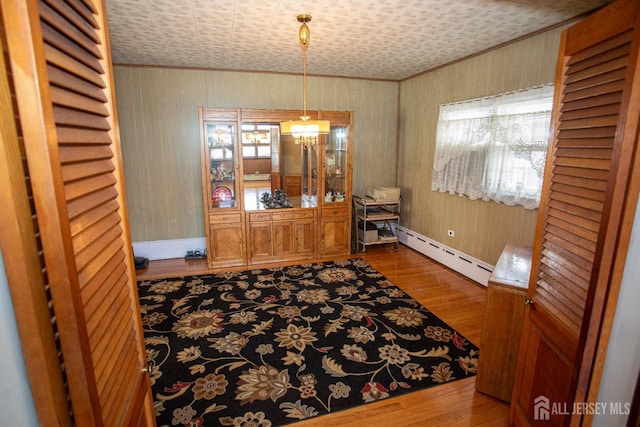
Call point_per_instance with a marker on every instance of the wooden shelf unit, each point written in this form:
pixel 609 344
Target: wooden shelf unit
pixel 385 213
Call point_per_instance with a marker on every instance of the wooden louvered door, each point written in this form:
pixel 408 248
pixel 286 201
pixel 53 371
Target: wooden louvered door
pixel 59 56
pixel 595 122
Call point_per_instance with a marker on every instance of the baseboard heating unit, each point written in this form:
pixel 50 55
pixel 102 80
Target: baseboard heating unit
pixel 474 269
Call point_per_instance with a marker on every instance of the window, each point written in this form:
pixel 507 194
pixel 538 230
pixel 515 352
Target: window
pixel 494 148
pixel 256 141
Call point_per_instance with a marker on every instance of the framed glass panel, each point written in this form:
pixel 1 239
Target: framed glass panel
pixel 335 165
pixel 222 162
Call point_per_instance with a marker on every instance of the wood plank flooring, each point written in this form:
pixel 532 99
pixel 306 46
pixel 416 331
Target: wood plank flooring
pixel 450 296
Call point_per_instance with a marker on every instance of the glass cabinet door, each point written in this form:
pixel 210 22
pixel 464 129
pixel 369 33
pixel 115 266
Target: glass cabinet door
pixel 335 165
pixel 222 165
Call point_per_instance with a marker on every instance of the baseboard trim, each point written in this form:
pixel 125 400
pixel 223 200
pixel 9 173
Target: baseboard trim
pixel 167 249
pixel 474 269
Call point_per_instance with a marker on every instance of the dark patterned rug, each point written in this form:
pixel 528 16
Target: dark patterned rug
pixel 274 346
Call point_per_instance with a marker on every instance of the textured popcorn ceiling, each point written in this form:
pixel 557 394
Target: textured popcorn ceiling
pixel 381 39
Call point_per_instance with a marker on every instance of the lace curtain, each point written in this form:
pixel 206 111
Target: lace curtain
pixel 494 148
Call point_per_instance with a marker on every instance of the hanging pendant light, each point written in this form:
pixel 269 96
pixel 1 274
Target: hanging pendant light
pixel 305 130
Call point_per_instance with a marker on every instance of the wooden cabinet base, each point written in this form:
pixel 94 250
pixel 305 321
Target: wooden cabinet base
pixel 504 313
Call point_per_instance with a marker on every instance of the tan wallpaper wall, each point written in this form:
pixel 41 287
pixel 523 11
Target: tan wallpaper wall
pixel 158 115
pixel 482 228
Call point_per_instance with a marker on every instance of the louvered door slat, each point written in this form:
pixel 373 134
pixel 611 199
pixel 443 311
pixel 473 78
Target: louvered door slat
pixel 587 174
pixel 602 82
pixel 92 216
pixel 590 122
pixel 592 111
pixel 616 67
pixel 61 60
pixel 69 117
pixel 94 292
pixel 574 181
pixel 559 254
pixel 570 275
pixel 565 293
pixel 552 301
pixel 70 15
pixel 592 91
pixel 84 256
pixel 577 201
pixel 102 324
pixel 69 154
pixel 596 101
pixel 94 232
pixel 582 58
pixel 570 246
pixel 90 185
pixel 585 152
pixel 75 171
pixel 69 136
pixel 101 350
pixel 86 10
pixel 578 221
pixel 56 20
pixel 579 191
pixel 65 80
pixel 571 238
pixel 61 42
pixel 607 55
pixel 95 265
pixel 601 132
pixel 573 228
pixel 77 101
pixel 568 301
pixel 122 373
pixel 97 293
pixel 91 201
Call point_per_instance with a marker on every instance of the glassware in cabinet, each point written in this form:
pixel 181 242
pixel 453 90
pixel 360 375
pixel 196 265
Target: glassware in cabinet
pixel 335 165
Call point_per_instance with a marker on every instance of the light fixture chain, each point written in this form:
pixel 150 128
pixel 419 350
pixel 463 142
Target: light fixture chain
pixel 304 82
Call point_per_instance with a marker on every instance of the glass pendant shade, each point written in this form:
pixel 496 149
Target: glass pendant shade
pixel 304 35
pixel 305 131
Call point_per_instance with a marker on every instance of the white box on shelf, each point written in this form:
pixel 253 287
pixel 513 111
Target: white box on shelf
pixel 383 194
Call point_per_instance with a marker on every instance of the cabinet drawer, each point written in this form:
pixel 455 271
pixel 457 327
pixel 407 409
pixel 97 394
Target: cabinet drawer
pixel 262 216
pixel 334 212
pixel 230 217
pixel 283 215
pixel 304 214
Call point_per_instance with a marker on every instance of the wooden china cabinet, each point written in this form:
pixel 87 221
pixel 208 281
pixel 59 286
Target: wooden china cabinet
pixel 221 169
pixel 241 229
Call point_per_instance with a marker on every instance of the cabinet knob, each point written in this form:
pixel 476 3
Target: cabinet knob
pixel 528 301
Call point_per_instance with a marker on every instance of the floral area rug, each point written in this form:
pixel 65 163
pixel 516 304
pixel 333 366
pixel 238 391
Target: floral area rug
pixel 274 346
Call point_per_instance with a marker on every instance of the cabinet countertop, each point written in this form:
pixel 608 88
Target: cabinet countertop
pixel 297 202
pixel 513 267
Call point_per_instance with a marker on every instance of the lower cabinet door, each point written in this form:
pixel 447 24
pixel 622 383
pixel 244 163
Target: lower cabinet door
pixel 283 239
pixel 226 245
pixel 335 232
pixel 304 237
pixel 260 243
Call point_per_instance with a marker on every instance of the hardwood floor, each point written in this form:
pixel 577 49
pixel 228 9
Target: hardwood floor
pixel 450 296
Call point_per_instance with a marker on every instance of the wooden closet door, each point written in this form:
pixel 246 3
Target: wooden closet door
pixel 62 77
pixel 595 121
